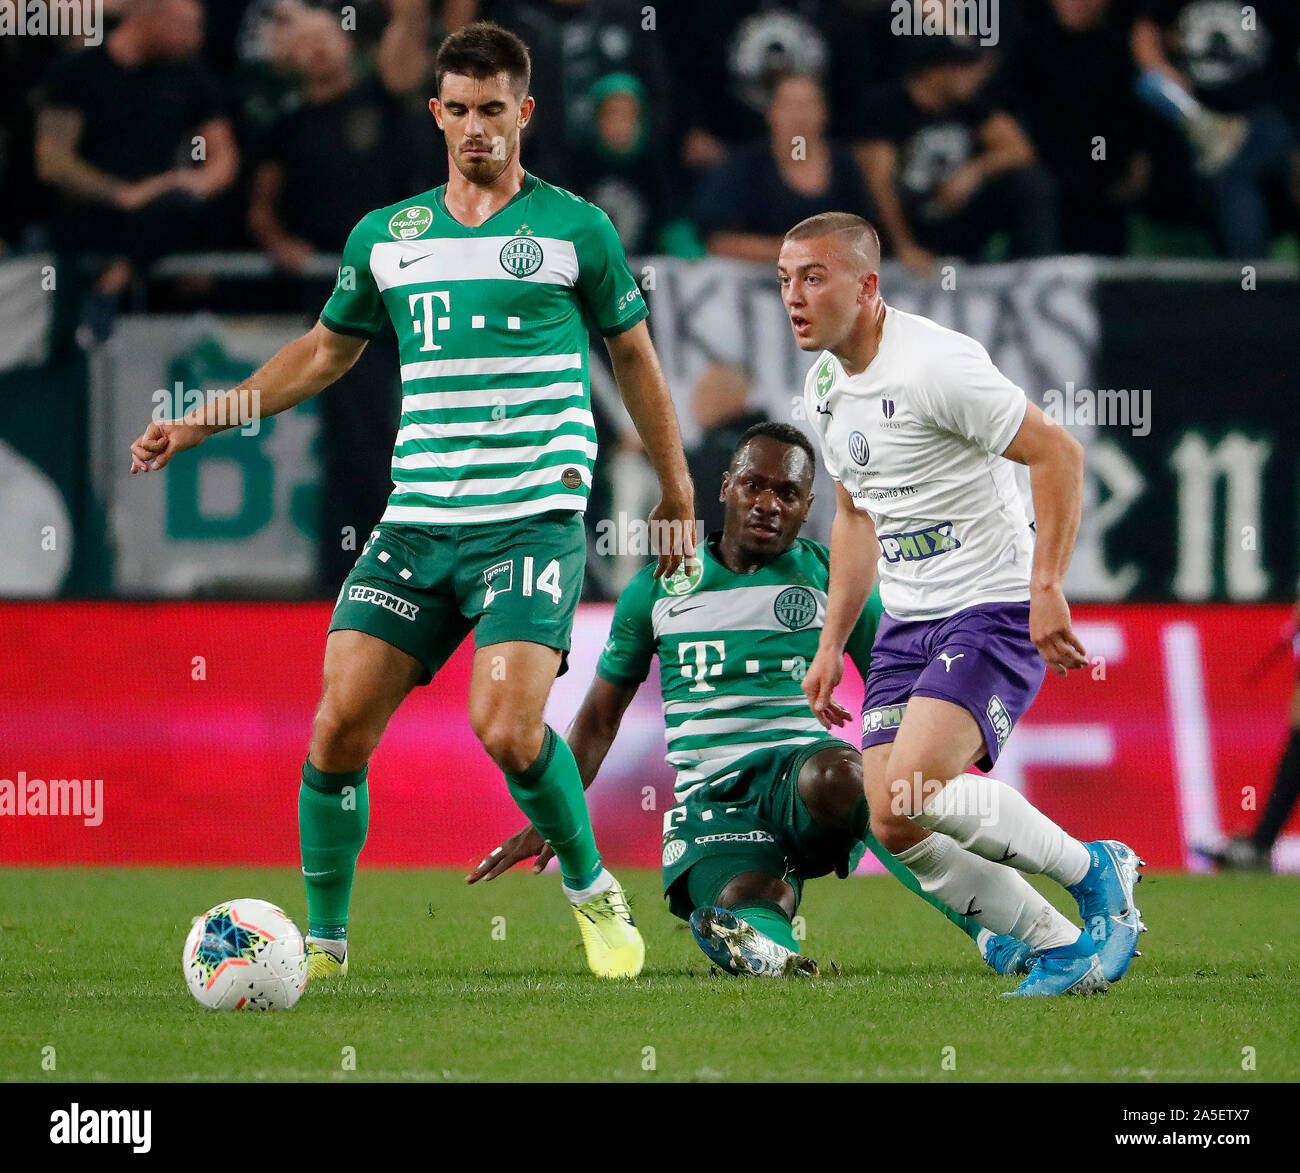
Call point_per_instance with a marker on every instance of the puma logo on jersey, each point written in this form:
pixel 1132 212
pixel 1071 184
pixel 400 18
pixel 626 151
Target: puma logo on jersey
pixel 948 660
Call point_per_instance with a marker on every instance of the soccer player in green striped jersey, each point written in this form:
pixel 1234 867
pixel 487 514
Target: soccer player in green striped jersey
pixel 765 796
pixel 492 283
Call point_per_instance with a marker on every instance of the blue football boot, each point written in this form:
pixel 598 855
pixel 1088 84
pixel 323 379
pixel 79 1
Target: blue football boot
pixel 1105 897
pixel 1004 954
pixel 1072 969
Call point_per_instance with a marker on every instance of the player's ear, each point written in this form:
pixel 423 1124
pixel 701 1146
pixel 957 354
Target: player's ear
pixel 435 108
pixel 526 108
pixel 726 487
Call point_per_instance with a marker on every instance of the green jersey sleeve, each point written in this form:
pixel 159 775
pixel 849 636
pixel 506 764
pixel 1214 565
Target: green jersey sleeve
pixel 863 635
pixel 606 285
pixel 355 306
pixel 631 644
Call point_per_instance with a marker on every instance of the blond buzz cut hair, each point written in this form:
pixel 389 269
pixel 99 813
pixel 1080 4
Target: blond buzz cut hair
pixel 860 239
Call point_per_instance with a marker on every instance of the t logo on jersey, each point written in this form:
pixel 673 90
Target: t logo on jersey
pixel 423 321
pixel 701 669
pixel 825 377
pixel 919 544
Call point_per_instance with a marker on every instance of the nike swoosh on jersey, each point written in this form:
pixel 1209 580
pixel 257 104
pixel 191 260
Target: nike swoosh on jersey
pixel 405 264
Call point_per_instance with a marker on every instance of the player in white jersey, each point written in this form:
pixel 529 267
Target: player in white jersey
pixel 919 428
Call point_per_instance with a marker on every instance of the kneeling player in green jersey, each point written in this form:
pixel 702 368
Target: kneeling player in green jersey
pixel 492 283
pixel 766 798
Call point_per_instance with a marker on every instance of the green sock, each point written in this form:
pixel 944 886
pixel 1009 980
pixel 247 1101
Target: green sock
pixel 770 920
pixel 900 872
pixel 550 794
pixel 333 814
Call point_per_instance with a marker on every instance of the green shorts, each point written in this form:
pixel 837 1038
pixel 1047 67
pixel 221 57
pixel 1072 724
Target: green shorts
pixel 423 588
pixel 758 822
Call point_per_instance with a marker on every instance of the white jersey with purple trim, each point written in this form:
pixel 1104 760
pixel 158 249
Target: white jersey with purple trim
pixel 916 439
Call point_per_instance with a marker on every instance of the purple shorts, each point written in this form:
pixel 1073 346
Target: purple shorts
pixel 980 658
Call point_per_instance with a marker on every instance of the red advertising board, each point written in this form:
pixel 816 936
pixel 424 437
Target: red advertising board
pixel 186 726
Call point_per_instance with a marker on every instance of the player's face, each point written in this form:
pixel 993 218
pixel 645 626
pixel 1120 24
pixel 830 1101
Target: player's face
pixel 823 289
pixel 481 119
pixel 767 494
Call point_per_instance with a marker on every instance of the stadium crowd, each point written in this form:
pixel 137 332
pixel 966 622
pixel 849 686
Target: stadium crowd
pixel 704 126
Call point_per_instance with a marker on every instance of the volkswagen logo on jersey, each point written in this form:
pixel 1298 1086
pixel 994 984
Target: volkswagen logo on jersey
pixel 521 256
pixel 858 448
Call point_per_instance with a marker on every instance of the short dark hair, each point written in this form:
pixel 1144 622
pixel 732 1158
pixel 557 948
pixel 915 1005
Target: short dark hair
pixel 784 433
pixel 861 237
pixel 483 49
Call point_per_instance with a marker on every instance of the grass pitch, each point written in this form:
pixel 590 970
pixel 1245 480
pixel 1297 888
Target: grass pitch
pixel 441 989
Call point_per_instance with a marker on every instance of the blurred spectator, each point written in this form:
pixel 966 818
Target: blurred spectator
pixel 1222 73
pixel 748 203
pixel 352 146
pixel 721 407
pixel 575 43
pixel 621 170
pixel 133 136
pixel 947 169
pixel 1073 80
pixel 726 59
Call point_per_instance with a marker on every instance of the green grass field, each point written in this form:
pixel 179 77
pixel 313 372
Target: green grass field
pixel 90 965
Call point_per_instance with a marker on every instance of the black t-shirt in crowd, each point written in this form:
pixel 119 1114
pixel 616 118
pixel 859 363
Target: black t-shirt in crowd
pixel 1232 60
pixel 1071 87
pixel 930 145
pixel 746 193
pixel 137 121
pixel 346 157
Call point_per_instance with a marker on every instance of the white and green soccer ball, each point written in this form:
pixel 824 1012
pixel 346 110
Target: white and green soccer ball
pixel 245 955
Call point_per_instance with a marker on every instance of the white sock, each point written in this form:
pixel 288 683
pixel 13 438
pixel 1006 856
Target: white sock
pixel 997 898
pixel 581 895
pixel 996 821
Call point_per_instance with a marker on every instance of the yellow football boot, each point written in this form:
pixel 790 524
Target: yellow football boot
pixel 609 934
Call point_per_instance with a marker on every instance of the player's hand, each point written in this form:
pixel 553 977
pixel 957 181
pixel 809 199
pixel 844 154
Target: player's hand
pixel 131 197
pixel 824 673
pixel 161 441
pixel 520 846
pixel 1049 628
pixel 675 542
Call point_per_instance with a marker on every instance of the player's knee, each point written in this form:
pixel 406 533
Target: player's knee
pixel 510 743
pixel 341 738
pixel 894 834
pixel 830 785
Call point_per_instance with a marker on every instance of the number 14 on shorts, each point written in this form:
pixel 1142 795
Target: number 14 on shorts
pixel 501 577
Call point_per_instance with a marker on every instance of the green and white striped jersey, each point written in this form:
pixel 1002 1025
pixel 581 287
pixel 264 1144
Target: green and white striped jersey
pixel 492 328
pixel 733 651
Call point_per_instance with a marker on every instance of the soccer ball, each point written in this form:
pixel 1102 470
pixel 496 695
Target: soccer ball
pixel 245 955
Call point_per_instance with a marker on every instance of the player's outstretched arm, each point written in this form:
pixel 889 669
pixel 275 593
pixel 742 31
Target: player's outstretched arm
pixel 1055 460
pixel 650 404
pixel 296 372
pixel 589 737
pixel 854 551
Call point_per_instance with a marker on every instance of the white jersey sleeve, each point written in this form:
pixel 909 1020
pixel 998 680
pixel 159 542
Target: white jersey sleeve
pixel 964 393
